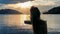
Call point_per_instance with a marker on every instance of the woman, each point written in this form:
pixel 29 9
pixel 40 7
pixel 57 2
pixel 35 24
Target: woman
pixel 39 26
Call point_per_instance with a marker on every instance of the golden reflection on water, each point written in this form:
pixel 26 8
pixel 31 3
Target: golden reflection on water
pixel 16 20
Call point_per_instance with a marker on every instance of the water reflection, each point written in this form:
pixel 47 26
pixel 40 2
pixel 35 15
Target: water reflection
pixel 15 23
pixel 53 22
pixel 14 20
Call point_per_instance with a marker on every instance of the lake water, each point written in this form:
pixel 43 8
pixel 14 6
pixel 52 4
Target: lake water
pixel 14 24
pixel 53 22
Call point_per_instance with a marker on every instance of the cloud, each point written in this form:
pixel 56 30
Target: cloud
pixel 44 3
pixel 37 3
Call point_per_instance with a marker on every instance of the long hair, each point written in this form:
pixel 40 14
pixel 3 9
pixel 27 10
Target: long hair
pixel 35 11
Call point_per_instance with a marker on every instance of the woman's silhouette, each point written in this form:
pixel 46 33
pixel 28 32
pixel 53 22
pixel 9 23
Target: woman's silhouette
pixel 39 26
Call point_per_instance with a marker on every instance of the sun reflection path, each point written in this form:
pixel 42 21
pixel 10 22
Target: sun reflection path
pixel 22 24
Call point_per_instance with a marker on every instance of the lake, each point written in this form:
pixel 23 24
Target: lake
pixel 14 24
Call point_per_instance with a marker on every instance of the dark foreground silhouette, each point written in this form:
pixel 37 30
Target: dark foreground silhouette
pixel 55 10
pixel 9 11
pixel 39 26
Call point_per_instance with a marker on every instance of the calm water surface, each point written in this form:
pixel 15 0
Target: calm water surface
pixel 14 24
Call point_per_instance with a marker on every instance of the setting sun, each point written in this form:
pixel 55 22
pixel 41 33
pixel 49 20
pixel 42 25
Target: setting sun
pixel 24 5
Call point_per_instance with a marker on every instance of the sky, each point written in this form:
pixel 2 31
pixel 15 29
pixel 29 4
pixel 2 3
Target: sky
pixel 43 5
pixel 12 1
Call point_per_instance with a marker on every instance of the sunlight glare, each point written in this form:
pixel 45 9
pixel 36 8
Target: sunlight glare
pixel 25 4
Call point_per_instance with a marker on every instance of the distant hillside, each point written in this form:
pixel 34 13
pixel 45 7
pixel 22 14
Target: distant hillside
pixel 9 11
pixel 55 10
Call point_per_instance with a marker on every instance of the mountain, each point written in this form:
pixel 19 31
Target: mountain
pixel 9 11
pixel 55 10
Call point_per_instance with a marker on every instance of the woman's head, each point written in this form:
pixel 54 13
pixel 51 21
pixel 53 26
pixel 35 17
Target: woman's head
pixel 35 11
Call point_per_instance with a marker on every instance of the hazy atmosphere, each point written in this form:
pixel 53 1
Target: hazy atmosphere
pixel 23 6
pixel 17 4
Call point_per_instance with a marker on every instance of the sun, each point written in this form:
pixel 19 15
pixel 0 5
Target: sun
pixel 25 4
